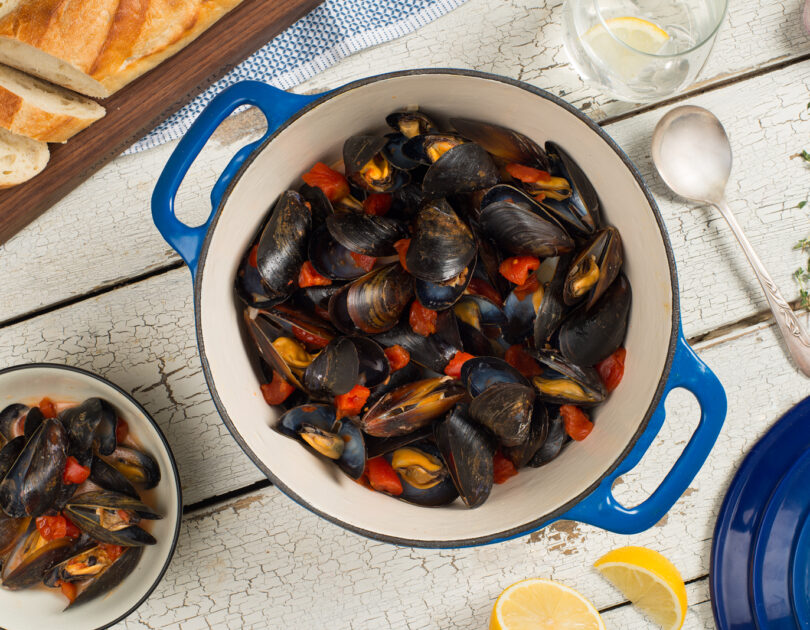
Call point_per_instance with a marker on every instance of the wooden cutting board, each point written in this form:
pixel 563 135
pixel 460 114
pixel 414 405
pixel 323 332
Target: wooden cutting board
pixel 150 99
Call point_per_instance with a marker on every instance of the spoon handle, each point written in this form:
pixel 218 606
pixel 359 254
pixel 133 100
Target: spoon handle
pixel 796 337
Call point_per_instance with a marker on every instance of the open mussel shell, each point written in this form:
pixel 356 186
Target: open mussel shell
pixel 12 421
pixel 102 574
pixel 316 427
pixel 395 154
pixel 334 371
pixel 564 382
pixel 428 148
pixel 135 465
pixel 423 473
pixel 554 441
pixel 506 410
pixel 283 244
pixel 552 309
pixel 580 212
pixel 107 477
pixel 591 335
pixel 521 311
pixel 410 123
pixel 31 557
pixel 464 168
pixel 331 259
pixel 375 301
pixel 468 454
pixel 433 352
pixel 90 425
pixel 366 234
pixel 521 232
pixel 99 514
pixel 33 482
pixel 367 166
pixel 264 333
pixel 438 296
pixel 503 142
pixel 442 245
pixel 249 286
pixel 521 454
pixel 594 268
pixel 9 454
pixel 411 406
pixel 481 373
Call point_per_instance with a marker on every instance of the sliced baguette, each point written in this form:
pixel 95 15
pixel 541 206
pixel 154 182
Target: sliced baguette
pixel 20 158
pixel 42 111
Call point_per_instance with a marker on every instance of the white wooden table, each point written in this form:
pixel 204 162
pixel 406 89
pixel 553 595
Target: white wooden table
pixel 92 284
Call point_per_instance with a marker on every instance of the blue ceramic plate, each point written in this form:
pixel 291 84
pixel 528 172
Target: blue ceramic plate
pixel 800 582
pixel 775 546
pixel 741 514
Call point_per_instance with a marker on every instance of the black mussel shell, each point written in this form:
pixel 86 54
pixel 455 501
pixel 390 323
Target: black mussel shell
pixel 438 296
pixel 591 335
pixel 594 268
pixel 264 332
pixel 521 454
pixel 433 352
pixel 90 425
pixel 468 454
pixel 110 577
pixel 502 142
pixel 475 342
pixel 10 530
pixel 31 557
pixel 9 454
pixel 108 478
pixel 317 298
pixel 366 234
pixel 411 407
pixel 521 232
pixel 319 203
pixel 506 410
pixel 423 473
pixel 249 286
pixel 410 124
pixel 564 382
pixel 375 301
pixel 406 202
pixel 373 366
pixel 555 440
pixel 334 371
pixel 479 311
pixel 481 373
pixel 32 483
pixel 430 147
pixel 394 153
pixel 464 168
pixel 338 310
pixel 521 311
pixel 283 244
pixel 442 245
pixel 331 259
pixel 489 261
pixel 552 309
pixel 359 152
pixel 12 421
pixel 33 419
pixel 97 514
pixel 581 212
pixel 138 467
pixel 319 419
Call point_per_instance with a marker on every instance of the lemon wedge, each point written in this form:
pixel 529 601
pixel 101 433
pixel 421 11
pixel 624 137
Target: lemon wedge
pixel 650 581
pixel 636 33
pixel 538 604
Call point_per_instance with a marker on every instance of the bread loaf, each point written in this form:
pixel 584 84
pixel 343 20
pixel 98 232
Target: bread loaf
pixel 41 110
pixel 98 46
pixel 20 158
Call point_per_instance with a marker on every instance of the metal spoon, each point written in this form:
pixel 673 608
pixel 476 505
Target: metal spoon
pixel 692 153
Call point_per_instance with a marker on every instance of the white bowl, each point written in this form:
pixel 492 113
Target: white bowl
pixel 40 608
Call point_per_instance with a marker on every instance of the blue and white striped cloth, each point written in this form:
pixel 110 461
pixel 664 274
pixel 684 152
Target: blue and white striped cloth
pixel 334 30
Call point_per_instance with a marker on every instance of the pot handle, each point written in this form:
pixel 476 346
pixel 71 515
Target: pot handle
pixel 276 105
pixel 602 509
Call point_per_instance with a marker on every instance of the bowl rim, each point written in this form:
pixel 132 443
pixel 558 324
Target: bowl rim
pixel 494 537
pixel 176 475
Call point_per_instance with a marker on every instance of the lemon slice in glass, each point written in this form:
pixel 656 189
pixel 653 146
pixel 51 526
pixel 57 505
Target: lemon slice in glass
pixel 650 581
pixel 620 46
pixel 538 604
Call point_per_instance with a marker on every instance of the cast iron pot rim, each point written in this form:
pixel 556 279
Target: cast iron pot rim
pixel 175 476
pixel 497 536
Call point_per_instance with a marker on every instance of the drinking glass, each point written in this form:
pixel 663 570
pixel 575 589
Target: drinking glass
pixel 641 50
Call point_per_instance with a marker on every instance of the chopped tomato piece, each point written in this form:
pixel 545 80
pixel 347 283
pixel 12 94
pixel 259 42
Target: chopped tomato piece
pixel 611 370
pixel 527 174
pixel 378 204
pixel 527 288
pixel 332 183
pixel 47 408
pixel 71 531
pixel 540 197
pixel 74 471
pixel 398 357
pixel 253 260
pixel 121 430
pixel 402 246
pixel 382 476
pixel 422 320
pixel 276 391
pixel 517 268
pixel 577 425
pixel 310 339
pixel 453 367
pixel 308 277
pixel 504 469
pixel 52 527
pixel 519 359
pixel 366 263
pixel 484 289
pixel 351 403
pixel 68 589
pixel 113 551
pixel 123 515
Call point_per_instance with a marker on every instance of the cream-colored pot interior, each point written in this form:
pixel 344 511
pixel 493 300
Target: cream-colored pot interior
pixel 318 134
pixel 40 608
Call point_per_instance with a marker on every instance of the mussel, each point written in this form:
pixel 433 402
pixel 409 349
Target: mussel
pixel 375 301
pixel 522 453
pixel 461 168
pixel 331 259
pixel 107 477
pixel 552 309
pixel 135 465
pixel 31 557
pixel 521 232
pixel 439 296
pixel 432 352
pixel 502 142
pixel 111 517
pixel 90 425
pixel 564 382
pixel 366 234
pixel 9 454
pixel 283 244
pixel 367 166
pixel 334 371
pixel 594 268
pixel 410 123
pixel 480 373
pixel 442 245
pixel 12 421
pixel 506 410
pixel 554 441
pixel 423 473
